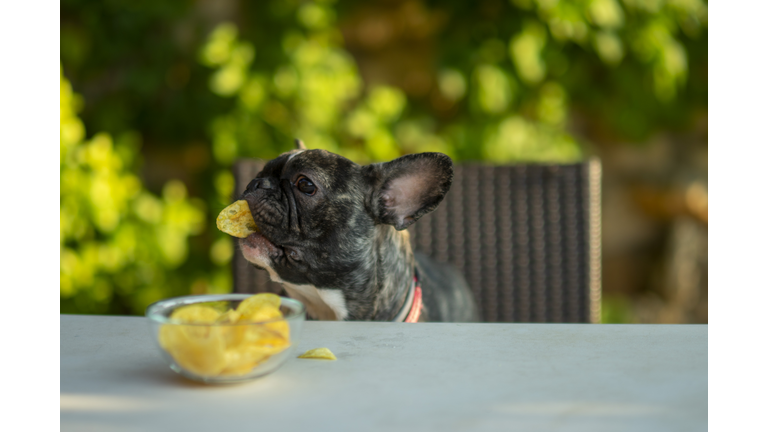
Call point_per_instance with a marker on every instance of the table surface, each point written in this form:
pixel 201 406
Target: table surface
pixel 399 377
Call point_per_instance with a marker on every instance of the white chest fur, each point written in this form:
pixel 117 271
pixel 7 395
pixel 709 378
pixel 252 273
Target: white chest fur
pixel 322 303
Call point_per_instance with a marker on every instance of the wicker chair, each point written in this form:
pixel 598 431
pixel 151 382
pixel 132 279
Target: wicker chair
pixel 526 237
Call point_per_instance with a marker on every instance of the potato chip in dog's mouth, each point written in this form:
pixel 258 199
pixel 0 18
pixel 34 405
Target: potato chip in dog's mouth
pixel 237 220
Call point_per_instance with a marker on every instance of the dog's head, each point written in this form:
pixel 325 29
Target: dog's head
pixel 318 214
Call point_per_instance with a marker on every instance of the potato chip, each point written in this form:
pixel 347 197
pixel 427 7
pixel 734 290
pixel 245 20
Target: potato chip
pixel 252 304
pixel 319 353
pixel 270 330
pixel 229 317
pixel 264 307
pixel 264 338
pixel 243 359
pixel 197 348
pixel 263 313
pixel 232 334
pixel 236 220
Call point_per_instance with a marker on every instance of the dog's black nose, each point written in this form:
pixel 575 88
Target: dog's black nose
pixel 260 183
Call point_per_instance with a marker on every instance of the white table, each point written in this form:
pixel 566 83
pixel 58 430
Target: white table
pixel 400 377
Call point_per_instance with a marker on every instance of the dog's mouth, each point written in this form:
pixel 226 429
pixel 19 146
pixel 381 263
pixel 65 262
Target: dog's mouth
pixel 259 250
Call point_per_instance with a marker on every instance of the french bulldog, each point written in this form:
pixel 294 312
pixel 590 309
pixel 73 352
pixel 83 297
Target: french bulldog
pixel 332 232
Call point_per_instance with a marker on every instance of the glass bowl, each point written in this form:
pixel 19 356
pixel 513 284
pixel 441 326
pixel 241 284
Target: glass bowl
pixel 224 352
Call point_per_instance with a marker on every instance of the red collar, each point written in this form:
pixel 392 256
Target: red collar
pixel 416 306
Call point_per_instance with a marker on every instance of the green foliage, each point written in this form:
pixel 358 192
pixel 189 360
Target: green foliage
pixel 524 80
pixel 119 242
pixel 511 78
pixel 623 67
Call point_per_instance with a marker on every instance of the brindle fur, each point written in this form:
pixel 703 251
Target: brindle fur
pixel 350 236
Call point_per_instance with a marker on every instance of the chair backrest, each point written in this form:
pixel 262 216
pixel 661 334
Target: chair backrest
pixel 526 237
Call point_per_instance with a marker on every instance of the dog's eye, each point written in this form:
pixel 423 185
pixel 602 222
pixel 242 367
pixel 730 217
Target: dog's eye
pixel 292 254
pixel 306 186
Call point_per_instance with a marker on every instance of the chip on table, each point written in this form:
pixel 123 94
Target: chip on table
pixel 318 353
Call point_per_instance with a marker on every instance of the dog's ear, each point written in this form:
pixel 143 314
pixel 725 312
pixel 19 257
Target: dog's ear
pixel 407 188
pixel 299 144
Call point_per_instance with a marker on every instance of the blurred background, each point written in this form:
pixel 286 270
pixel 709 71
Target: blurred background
pixel 159 98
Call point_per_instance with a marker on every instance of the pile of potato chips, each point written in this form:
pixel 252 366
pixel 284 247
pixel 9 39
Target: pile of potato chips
pixel 210 343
